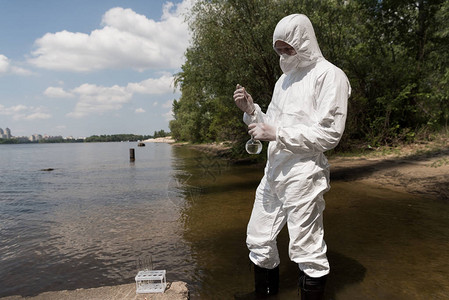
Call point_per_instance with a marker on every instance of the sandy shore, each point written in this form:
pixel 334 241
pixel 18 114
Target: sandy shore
pixel 418 169
pixel 167 139
pixel 421 168
pixel 175 291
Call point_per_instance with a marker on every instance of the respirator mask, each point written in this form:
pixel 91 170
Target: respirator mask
pixel 289 63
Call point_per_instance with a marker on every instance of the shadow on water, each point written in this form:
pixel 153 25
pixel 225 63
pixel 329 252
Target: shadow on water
pixel 215 219
pixel 382 244
pixel 345 272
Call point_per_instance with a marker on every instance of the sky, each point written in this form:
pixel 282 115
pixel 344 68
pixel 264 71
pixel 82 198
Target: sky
pixel 82 68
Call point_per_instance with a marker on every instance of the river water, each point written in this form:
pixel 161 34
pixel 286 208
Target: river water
pixel 90 221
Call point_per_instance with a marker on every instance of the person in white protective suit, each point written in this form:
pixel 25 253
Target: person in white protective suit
pixel 305 118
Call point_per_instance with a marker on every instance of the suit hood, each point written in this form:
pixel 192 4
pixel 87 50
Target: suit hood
pixel 297 31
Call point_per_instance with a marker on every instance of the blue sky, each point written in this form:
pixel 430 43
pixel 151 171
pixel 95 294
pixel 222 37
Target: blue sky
pixel 79 68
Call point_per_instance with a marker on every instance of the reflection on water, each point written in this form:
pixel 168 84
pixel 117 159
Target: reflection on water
pixel 215 216
pixel 401 241
pixel 382 244
pixel 86 223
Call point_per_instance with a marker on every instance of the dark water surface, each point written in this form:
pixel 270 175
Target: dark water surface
pixel 87 222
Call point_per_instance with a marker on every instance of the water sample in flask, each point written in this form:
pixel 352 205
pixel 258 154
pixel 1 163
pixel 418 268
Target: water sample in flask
pixel 253 146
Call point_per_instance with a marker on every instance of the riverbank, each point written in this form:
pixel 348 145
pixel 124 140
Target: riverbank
pixel 425 174
pixel 167 139
pixel 421 168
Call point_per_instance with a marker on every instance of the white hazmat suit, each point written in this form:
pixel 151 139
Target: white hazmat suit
pixel 308 112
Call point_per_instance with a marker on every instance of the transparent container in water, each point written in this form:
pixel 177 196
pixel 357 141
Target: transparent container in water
pixel 253 146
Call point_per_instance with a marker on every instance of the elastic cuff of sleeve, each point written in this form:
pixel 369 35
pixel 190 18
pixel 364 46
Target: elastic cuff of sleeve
pixel 254 110
pixel 279 143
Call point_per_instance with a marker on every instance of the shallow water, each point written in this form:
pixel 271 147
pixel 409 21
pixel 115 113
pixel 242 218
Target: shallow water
pixel 382 244
pixel 86 223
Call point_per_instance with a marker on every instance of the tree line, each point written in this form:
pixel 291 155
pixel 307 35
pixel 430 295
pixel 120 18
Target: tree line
pixel 394 52
pixel 93 138
pixel 125 137
pixel 117 138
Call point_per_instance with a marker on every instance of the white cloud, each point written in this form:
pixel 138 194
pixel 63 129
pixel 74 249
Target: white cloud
pixel 7 67
pixel 168 104
pixel 126 40
pixel 162 85
pixel 95 99
pixel 37 116
pixel 20 71
pixel 98 99
pixel 23 112
pixel 4 64
pixel 57 92
pixel 11 110
pixel 169 116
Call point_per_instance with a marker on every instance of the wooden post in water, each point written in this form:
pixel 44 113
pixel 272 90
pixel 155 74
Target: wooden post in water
pixel 132 156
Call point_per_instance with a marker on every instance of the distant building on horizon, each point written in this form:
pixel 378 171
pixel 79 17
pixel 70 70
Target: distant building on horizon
pixel 5 134
pixel 35 138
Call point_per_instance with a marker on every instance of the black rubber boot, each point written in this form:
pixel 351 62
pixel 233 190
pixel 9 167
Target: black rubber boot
pixel 312 288
pixel 266 282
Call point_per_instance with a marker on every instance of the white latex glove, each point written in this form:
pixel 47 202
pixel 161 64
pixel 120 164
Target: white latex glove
pixel 243 100
pixel 262 131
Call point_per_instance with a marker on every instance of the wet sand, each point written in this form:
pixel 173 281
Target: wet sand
pixel 175 291
pixel 420 169
pixel 411 170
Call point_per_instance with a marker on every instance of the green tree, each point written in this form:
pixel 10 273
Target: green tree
pixel 231 44
pixel 395 53
pixel 160 133
pixel 116 138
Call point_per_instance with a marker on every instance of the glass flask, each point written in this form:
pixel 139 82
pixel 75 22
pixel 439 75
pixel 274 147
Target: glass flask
pixel 253 146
